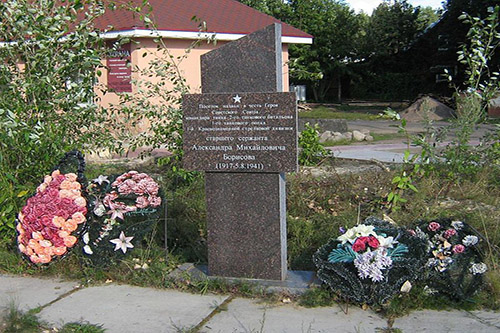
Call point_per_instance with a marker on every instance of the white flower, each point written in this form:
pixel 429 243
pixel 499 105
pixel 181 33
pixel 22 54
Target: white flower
pixel 385 242
pixel 470 240
pixel 99 210
pixel 357 231
pixel 406 287
pixel 86 238
pixel 478 268
pixel 87 249
pixel 457 225
pixel 101 179
pixel 122 243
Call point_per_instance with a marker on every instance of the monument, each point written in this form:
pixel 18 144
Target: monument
pixel 242 131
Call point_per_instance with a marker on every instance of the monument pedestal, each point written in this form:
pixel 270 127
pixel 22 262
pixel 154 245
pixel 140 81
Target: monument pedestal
pixel 246 222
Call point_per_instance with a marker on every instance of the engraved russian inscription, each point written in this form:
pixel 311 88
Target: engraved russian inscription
pixel 246 132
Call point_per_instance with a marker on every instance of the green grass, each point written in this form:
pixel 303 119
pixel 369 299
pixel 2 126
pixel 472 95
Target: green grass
pixel 16 321
pixel 82 328
pixel 322 112
pixel 388 136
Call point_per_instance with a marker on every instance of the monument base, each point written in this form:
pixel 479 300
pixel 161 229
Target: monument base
pixel 246 216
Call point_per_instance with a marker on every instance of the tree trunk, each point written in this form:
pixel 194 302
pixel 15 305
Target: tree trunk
pixel 339 89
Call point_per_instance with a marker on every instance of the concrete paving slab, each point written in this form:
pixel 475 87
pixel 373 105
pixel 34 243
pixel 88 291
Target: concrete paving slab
pixel 28 293
pixel 121 308
pixel 489 318
pixel 444 321
pixel 370 154
pixel 245 315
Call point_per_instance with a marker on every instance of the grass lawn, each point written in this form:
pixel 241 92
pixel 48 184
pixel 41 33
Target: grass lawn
pixel 344 112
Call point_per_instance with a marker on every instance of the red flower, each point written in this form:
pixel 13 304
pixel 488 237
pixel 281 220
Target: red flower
pixel 373 242
pixel 360 244
pixel 46 220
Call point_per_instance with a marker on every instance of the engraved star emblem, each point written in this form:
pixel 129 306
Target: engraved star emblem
pixel 237 99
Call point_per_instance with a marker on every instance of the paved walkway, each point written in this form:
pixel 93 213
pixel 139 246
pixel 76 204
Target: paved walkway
pixel 123 308
pixel 392 151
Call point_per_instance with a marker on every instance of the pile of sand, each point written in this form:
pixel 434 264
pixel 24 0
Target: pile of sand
pixel 427 107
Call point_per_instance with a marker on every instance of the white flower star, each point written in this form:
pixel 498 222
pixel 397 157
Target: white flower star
pixel 237 99
pixel 122 243
pixel 101 179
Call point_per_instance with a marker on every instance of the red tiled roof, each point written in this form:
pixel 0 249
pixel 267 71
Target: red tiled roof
pixel 221 16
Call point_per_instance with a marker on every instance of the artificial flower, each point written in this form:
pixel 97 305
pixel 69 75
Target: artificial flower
pixel 406 287
pixel 434 226
pixel 122 243
pixel 449 233
pixel 458 225
pixel 358 231
pixel 459 248
pixel 101 179
pixel 470 240
pixel 371 263
pixel 87 249
pixel 479 268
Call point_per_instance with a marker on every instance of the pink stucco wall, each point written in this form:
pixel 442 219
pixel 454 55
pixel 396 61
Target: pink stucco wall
pixel 189 66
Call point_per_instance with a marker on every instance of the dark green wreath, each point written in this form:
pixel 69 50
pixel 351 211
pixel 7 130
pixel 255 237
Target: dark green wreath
pixel 343 277
pixel 138 224
pixel 457 281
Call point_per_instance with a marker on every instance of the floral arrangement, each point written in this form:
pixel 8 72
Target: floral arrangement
pixel 370 262
pixel 50 222
pixel 123 210
pixel 454 263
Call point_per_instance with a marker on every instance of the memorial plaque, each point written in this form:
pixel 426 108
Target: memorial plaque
pixel 240 132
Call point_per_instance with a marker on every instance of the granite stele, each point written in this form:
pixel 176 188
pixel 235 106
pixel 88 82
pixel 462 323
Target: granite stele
pixel 242 131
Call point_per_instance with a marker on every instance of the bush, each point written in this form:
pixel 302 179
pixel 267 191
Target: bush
pixel 47 77
pixel 311 151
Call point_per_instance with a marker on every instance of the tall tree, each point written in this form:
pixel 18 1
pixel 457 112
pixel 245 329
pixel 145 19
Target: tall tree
pixel 394 24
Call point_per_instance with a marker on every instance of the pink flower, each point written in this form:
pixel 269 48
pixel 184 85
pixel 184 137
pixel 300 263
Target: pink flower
pixel 459 248
pixel 124 189
pixel 450 232
pixel 434 226
pixel 141 202
pixel 155 201
pixel 152 188
pixel 139 176
pixel 109 199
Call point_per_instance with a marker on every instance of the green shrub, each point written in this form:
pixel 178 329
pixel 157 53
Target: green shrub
pixel 311 151
pixel 46 107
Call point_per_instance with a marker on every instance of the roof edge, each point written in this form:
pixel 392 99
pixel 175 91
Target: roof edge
pixel 147 33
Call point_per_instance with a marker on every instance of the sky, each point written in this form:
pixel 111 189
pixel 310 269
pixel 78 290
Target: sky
pixel 368 5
